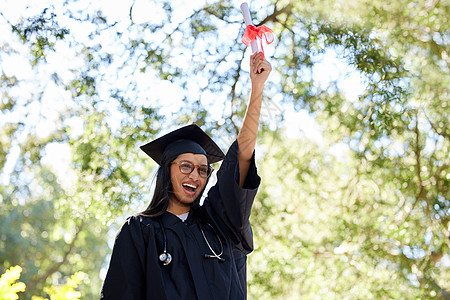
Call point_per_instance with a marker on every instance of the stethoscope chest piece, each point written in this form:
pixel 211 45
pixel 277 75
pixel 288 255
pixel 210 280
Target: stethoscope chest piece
pixel 165 258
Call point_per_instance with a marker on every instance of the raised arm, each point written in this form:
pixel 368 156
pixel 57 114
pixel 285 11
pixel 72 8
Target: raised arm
pixel 259 71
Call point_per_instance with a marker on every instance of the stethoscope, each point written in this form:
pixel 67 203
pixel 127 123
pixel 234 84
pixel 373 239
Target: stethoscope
pixel 165 258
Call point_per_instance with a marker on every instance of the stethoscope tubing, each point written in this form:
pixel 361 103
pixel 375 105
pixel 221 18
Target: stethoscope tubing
pixel 166 258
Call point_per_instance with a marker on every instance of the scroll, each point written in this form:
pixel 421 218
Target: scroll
pixel 252 33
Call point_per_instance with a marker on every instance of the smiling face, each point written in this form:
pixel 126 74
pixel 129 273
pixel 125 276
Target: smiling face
pixel 186 187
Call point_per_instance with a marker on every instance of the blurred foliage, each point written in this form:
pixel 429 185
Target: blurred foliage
pixel 357 209
pixel 65 291
pixel 10 289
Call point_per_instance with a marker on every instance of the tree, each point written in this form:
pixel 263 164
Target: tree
pixel 365 212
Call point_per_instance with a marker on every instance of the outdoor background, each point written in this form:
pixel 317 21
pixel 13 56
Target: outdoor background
pixel 353 147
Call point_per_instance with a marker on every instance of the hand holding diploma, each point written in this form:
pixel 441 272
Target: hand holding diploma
pixel 260 69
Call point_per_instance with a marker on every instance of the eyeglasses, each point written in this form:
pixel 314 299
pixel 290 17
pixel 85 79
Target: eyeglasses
pixel 186 167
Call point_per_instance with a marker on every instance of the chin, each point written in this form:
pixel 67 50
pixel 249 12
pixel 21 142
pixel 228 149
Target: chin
pixel 185 200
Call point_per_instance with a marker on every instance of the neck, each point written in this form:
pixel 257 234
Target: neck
pixel 178 209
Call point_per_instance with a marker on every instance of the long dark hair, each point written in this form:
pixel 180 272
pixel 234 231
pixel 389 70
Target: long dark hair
pixel 163 190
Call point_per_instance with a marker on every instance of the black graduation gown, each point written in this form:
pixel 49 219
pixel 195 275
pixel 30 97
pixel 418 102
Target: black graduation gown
pixel 136 273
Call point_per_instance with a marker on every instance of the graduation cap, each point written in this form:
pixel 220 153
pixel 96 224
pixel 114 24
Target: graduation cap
pixel 187 139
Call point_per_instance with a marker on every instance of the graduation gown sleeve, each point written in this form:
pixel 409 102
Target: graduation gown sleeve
pixel 230 205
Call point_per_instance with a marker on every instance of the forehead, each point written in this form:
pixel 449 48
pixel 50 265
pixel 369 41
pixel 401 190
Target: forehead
pixel 198 159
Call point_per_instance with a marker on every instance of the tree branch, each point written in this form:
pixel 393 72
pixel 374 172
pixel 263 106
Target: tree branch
pixel 32 285
pixel 442 133
pixel 420 185
pixel 274 16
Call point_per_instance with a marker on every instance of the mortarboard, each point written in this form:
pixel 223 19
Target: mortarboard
pixel 187 139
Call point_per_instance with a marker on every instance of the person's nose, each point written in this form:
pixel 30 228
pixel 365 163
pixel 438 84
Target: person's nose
pixel 194 174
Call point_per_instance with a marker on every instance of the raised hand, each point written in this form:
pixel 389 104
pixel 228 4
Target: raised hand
pixel 260 69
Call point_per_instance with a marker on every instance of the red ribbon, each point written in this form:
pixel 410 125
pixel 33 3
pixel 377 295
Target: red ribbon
pixel 251 32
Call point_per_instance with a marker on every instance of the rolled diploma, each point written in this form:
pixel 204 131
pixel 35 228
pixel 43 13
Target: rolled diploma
pixel 248 21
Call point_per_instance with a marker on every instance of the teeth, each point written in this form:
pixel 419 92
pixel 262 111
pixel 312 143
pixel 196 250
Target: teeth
pixel 190 185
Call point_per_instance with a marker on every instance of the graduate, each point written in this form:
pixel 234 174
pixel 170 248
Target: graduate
pixel 177 248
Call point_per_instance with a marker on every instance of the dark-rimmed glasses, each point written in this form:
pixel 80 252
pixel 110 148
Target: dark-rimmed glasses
pixel 186 167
